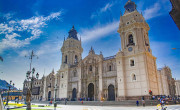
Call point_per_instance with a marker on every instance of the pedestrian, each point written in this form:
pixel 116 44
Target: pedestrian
pixel 65 101
pixel 82 101
pixel 143 103
pixel 137 103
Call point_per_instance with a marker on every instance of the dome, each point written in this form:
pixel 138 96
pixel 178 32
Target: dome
pixel 130 6
pixel 73 33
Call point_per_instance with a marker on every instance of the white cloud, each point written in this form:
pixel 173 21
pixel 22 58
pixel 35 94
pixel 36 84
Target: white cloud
pixel 106 7
pixel 160 7
pixel 99 31
pixel 48 48
pixel 8 15
pixel 33 26
pixel 152 11
pixel 102 10
pixel 23 53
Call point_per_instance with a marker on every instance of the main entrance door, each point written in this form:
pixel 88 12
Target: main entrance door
pixel 49 95
pixel 74 94
pixel 91 91
pixel 111 93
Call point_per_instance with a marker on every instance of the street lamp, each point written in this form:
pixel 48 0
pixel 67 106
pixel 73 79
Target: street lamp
pixel 28 74
pixel 55 104
pixel 9 88
pixel 30 77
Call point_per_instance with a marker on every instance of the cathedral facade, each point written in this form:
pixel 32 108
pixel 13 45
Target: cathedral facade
pixel 130 74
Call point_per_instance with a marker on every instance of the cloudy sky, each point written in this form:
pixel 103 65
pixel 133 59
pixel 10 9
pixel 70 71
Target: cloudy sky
pixel 41 25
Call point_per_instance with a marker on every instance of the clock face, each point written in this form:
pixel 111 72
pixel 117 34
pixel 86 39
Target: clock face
pixel 130 49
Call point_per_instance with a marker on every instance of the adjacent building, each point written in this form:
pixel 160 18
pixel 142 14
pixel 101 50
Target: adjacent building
pixel 166 82
pixel 177 84
pixel 37 88
pixel 12 95
pixel 175 12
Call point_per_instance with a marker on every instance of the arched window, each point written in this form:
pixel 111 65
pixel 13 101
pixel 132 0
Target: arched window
pixel 76 59
pixel 110 68
pixel 131 39
pixel 62 75
pixel 134 77
pixel 132 62
pixel 90 68
pixel 65 59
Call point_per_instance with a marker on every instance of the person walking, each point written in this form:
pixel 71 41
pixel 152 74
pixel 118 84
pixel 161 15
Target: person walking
pixel 82 101
pixel 137 103
pixel 65 101
pixel 143 103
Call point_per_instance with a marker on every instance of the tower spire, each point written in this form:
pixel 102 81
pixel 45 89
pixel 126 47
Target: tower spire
pixel 91 51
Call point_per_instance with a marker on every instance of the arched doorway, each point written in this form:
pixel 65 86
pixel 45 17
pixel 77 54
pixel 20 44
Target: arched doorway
pixel 91 91
pixel 74 94
pixel 49 95
pixel 111 93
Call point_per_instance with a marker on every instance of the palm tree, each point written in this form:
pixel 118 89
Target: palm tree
pixel 1 58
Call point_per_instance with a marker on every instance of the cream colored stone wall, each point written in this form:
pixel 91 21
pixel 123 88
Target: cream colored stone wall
pixel 177 84
pixel 140 84
pixel 63 86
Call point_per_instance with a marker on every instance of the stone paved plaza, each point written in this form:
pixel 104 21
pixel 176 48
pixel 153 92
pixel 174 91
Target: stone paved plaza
pixel 79 107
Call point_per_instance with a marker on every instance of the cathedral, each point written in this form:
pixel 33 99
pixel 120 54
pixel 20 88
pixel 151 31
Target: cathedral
pixel 130 74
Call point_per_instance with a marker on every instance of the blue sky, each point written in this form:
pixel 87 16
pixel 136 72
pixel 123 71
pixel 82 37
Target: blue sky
pixel 41 25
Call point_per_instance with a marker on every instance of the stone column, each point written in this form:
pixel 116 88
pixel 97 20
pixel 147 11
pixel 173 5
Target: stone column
pixel 79 83
pixel 44 89
pixel 100 71
pixel 55 87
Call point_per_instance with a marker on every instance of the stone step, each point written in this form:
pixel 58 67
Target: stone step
pixel 104 103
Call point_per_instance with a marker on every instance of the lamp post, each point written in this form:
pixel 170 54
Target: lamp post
pixel 18 95
pixel 31 57
pixel 32 78
pixel 9 88
pixel 55 104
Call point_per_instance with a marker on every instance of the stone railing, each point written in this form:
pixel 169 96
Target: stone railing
pixel 74 79
pixel 110 74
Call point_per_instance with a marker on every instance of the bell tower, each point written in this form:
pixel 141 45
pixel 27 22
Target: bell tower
pixel 133 30
pixel 71 49
pixel 136 66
